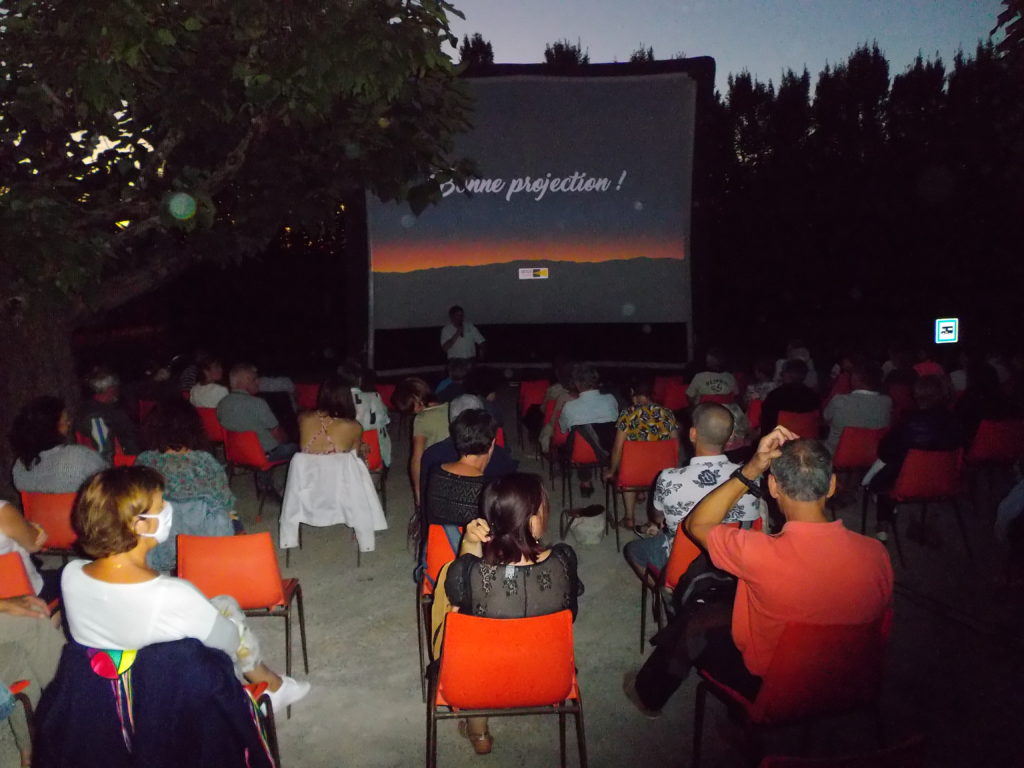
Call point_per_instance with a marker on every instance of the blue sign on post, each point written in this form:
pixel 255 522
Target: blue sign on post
pixel 947 330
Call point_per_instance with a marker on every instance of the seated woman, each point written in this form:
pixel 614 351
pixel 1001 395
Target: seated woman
pixel 504 571
pixel 118 602
pixel 210 389
pixel 332 427
pixel 176 448
pixel 45 462
pixel 19 535
pixel 453 489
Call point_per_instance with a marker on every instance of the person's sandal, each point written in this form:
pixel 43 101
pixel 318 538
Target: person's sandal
pixel 628 523
pixel 647 530
pixel 482 743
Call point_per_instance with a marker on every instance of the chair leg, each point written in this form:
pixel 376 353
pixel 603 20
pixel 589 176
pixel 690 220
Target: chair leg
pixel 618 543
pixel 581 735
pixel 895 525
pixel 963 530
pixel 698 722
pixel 561 739
pixel 302 628
pixel 419 645
pixel 567 482
pixel 865 497
pixel 643 612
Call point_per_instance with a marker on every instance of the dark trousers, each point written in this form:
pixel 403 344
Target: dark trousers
pixel 703 639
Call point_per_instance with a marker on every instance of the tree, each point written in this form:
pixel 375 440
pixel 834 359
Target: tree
pixel 475 53
pixel 1011 22
pixel 138 139
pixel 563 55
pixel 642 55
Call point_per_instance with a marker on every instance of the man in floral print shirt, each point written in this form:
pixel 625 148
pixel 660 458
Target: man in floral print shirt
pixel 678 490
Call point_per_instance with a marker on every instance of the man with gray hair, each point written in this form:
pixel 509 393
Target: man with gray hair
pixel 677 491
pixel 102 418
pixel 814 572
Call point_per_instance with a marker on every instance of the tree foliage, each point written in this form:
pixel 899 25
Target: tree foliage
pixel 475 53
pixel 1011 22
pixel 642 55
pixel 262 113
pixel 564 54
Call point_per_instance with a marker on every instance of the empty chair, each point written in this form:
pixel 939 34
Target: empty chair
pixel 639 467
pixel 530 670
pixel 856 452
pixel 53 512
pixel 802 424
pixel 245 567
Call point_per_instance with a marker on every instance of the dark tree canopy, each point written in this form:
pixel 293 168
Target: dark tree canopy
pixel 564 54
pixel 475 53
pixel 642 55
pixel 1011 22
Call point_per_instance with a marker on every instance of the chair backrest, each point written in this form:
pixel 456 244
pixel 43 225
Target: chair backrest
pixel 386 391
pixel 999 442
pixel 499 437
pixel 802 424
pixel 122 459
pixel 531 392
pixel 643 460
pixel 910 754
pixel 530 662
pixel 754 413
pixel 582 451
pixel 306 395
pixel 858 447
pixel 83 439
pixel 928 475
pixel 211 424
pixel 243 449
pixel 145 406
pixel 244 567
pixel 53 512
pixel 439 550
pixel 820 670
pixel 558 437
pixel 549 411
pixel 682 554
pixel 374 459
pixel 722 399
pixel 674 397
pixel 14 581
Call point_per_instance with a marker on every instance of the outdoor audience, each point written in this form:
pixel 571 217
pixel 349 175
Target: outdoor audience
pixel 209 391
pixel 591 416
pixel 102 419
pixel 864 406
pixel 793 394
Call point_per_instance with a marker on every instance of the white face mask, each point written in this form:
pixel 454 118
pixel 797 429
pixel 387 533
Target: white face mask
pixel 163 527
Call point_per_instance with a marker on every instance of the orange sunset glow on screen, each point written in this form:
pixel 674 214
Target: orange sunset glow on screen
pixel 401 257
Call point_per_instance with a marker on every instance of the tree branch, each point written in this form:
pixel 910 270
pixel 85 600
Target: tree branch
pixel 124 287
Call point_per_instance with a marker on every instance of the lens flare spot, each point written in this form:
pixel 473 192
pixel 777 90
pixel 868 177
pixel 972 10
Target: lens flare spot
pixel 182 206
pixel 628 310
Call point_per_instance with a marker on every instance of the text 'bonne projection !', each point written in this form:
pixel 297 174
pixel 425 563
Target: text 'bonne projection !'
pixel 535 186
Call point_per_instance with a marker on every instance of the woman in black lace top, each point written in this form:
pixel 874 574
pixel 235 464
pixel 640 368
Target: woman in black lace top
pixel 504 571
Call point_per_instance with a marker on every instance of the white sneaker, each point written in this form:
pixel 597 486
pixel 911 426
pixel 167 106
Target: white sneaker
pixel 291 691
pixel 882 536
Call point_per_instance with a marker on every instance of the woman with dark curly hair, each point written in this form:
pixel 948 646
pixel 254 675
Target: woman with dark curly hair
pixel 176 448
pixel 45 462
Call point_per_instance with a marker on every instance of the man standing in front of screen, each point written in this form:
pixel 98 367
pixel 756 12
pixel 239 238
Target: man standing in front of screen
pixel 460 339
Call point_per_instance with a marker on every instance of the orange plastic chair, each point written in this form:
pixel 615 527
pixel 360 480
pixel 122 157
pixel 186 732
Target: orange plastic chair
pixel 721 399
pixel 802 424
pixel 243 451
pixel 438 552
pixel 375 463
pixel 910 754
pixel 122 459
pixel 754 413
pixel 997 442
pixel 306 395
pixel 14 581
pixel 211 424
pixel 817 671
pixel 558 439
pixel 638 469
pixel 928 477
pixel 53 512
pixel 856 452
pixel 656 580
pixel 17 690
pixel 531 670
pixel 582 456
pixel 531 392
pixel 245 567
pixel 675 397
pixel 499 437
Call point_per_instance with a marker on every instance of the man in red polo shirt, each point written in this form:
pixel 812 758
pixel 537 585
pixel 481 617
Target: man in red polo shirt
pixel 814 572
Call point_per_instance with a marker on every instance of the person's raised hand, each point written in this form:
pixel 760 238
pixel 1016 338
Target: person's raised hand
pixel 769 447
pixel 477 531
pixel 27 605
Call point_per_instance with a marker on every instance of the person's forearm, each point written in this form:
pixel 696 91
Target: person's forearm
pixel 471 548
pixel 414 476
pixel 448 344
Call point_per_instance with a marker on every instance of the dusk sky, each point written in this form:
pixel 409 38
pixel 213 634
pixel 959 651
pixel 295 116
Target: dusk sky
pixel 763 36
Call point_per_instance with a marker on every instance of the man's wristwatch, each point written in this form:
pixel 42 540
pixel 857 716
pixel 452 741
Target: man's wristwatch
pixel 752 488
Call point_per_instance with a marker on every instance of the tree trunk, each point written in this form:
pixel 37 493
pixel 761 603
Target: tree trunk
pixel 35 359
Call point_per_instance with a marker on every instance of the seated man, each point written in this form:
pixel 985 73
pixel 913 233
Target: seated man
pixel 102 419
pixel 678 490
pixel 792 395
pixel 865 406
pixel 644 420
pixel 713 380
pixel 595 413
pixel 814 572
pixel 242 411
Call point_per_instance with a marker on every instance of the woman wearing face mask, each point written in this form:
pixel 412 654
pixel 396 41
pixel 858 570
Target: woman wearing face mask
pixel 118 602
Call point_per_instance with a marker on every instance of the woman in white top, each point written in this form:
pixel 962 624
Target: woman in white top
pixel 19 535
pixel 118 602
pixel 209 391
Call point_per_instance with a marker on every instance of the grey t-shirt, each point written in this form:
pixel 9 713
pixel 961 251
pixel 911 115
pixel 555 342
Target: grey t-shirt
pixel 242 412
pixel 61 469
pixel 860 408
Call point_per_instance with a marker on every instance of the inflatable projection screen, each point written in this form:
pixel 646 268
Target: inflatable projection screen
pixel 580 214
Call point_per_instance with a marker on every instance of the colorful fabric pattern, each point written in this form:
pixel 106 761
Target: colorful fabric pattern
pixel 647 422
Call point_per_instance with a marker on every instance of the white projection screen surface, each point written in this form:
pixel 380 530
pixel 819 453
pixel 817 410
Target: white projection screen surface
pixel 584 189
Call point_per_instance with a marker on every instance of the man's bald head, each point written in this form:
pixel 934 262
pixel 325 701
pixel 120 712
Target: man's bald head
pixel 712 425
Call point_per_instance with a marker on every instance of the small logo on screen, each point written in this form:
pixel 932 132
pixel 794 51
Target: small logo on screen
pixel 533 273
pixel 947 330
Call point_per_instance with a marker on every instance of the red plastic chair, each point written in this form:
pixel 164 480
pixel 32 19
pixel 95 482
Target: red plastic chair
pixel 122 459
pixel 582 456
pixel 211 424
pixel 306 395
pixel 655 580
pixel 531 670
pixel 53 512
pixel 245 567
pixel 638 469
pixel 499 437
pixel 375 463
pixel 817 671
pixel 386 391
pixel 754 413
pixel 910 754
pixel 856 452
pixel 675 397
pixel 928 477
pixel 243 451
pixel 17 690
pixel 14 581
pixel 531 393
pixel 721 399
pixel 438 552
pixel 802 424
pixel 997 442
pixel 145 406
pixel 558 439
